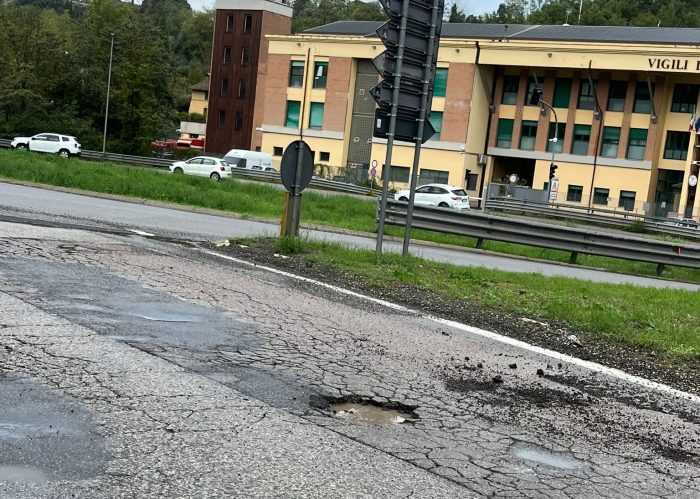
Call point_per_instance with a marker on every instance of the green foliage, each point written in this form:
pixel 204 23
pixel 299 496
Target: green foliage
pixel 290 245
pixel 638 226
pixel 312 13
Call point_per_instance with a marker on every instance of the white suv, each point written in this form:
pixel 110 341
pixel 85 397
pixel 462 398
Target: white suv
pixel 63 145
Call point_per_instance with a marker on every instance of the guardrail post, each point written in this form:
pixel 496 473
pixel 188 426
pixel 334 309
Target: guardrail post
pixel 479 242
pixel 660 269
pixel 573 257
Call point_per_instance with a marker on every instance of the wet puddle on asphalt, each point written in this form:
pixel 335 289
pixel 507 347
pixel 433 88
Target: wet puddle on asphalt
pixel 369 413
pixel 540 455
pixel 9 473
pixel 164 317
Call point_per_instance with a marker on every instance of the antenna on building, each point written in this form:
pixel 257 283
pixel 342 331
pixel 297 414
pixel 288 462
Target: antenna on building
pixel 505 32
pixel 568 13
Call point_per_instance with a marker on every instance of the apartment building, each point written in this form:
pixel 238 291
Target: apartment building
pixel 623 100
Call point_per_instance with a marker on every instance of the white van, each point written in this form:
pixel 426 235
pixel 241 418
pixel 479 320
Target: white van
pixel 250 160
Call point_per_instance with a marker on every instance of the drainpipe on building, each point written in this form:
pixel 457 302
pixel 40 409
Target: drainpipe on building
pixel 492 110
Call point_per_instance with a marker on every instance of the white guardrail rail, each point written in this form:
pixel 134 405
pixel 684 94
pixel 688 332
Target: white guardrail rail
pixel 163 164
pixel 574 240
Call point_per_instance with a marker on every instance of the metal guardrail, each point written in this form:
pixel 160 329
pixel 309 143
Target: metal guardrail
pixel 574 240
pixel 579 213
pixel 163 164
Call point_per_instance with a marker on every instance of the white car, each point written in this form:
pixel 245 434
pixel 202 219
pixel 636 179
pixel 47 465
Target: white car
pixel 203 166
pixel 63 145
pixel 441 195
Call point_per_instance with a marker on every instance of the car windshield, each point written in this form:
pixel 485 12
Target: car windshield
pixel 459 192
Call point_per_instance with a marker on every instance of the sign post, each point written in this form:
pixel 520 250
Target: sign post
pixel 296 171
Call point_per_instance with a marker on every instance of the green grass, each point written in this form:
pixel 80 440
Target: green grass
pixel 661 319
pixel 251 200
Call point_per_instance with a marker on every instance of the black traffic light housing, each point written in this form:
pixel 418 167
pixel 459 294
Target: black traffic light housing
pixel 552 170
pixel 536 96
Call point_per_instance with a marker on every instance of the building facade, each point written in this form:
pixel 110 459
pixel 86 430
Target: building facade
pixel 624 101
pixel 239 71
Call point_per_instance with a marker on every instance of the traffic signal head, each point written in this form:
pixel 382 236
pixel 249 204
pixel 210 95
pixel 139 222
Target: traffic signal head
pixel 552 170
pixel 536 96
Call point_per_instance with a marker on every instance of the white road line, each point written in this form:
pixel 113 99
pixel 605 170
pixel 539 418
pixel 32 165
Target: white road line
pixel 592 366
pixel 141 233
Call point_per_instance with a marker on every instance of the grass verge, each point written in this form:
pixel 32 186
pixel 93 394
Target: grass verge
pixel 663 320
pixel 251 199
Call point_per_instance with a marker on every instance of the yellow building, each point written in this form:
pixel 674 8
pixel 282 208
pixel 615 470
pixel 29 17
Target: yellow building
pixel 199 102
pixel 623 99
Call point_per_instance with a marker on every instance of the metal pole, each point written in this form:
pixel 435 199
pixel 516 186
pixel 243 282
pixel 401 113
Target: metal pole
pixel 392 125
pixel 427 77
pixel 295 200
pixel 109 84
pixel 554 140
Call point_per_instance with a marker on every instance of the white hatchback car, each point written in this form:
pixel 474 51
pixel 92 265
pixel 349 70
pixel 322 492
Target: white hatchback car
pixel 441 195
pixel 53 143
pixel 203 166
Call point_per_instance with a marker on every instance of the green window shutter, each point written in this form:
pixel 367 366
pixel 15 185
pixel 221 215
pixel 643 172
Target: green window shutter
pixel 292 114
pixel 611 133
pixel 316 115
pixel 436 120
pixel 562 93
pixel 638 134
pixel 582 129
pixel 505 128
pixel 440 87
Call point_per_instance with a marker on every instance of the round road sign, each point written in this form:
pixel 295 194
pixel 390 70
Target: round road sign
pixel 290 161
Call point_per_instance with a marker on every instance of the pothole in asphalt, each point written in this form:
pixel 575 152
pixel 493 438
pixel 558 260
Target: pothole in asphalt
pixel 10 473
pixel 540 455
pixel 372 413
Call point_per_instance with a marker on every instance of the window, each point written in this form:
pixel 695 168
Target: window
pixel 685 98
pixel 296 74
pixel 586 98
pixel 637 143
pixel 433 176
pixel 611 139
pixel 527 137
pixel 440 87
pixel 245 56
pixel 435 119
pixel 677 145
pixel 399 173
pixel 277 151
pixel 471 181
pixel 510 89
pixel 600 196
pixel 642 98
pixel 626 200
pixel 557 146
pixel 574 193
pixel 247 24
pixel 504 137
pixel 224 87
pixel 320 74
pixel 238 122
pixel 292 119
pixel 228 57
pixel 229 23
pixel 222 118
pixel 618 94
pixel 316 115
pixel 206 112
pixel 562 92
pixel 324 156
pixel 582 136
pixel 530 89
pixel 241 88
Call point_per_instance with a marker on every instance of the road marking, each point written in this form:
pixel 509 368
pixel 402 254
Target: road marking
pixel 592 366
pixel 141 233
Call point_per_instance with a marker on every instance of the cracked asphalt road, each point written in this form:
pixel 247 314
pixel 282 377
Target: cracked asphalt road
pixel 186 375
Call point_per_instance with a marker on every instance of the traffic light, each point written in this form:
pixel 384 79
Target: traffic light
pixel 412 73
pixel 536 96
pixel 552 170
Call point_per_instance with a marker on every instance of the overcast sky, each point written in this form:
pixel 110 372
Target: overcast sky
pixel 469 6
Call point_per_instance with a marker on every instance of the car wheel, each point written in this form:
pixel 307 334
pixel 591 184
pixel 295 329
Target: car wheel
pixel 404 199
pixel 178 171
pixel 444 205
pixel 63 153
pixel 215 176
pixel 21 147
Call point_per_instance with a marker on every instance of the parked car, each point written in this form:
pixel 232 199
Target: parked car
pixel 203 166
pixel 252 160
pixel 441 195
pixel 63 145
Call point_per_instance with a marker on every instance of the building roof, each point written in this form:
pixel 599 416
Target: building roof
pixel 614 34
pixel 202 85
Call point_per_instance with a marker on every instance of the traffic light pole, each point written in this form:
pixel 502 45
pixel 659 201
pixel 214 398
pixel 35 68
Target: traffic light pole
pixel 427 80
pixel 392 126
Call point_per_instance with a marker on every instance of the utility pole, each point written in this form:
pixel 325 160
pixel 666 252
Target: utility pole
pixel 109 84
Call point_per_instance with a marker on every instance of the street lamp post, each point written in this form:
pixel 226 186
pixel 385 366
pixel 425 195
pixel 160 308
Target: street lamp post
pixel 535 100
pixel 109 84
